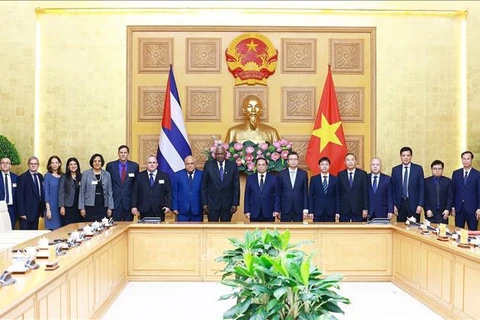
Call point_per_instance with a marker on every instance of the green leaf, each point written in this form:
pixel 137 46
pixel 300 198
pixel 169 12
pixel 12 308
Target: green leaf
pixel 332 307
pixel 278 294
pixel 305 271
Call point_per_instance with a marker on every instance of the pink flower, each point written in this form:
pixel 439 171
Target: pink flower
pixel 240 153
pixel 212 149
pixel 279 149
pixel 239 162
pixel 250 149
pixel 275 156
pixel 259 152
pixel 283 142
pixel 228 155
pixel 277 144
pixel 250 166
pixel 238 146
pixel 269 154
pixel 249 157
pixel 263 146
pixel 235 156
pixel 289 145
pixel 284 154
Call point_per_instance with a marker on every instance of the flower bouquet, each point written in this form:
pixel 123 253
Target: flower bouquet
pixel 246 153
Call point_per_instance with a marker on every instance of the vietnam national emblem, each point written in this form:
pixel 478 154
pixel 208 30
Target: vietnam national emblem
pixel 251 59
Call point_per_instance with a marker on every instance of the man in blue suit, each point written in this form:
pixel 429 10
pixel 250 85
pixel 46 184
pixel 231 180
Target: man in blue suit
pixel 408 187
pixel 30 196
pixel 122 173
pixel 466 193
pixel 353 188
pixel 261 203
pixel 380 192
pixel 323 194
pixel 438 194
pixel 187 191
pixel 293 183
pixel 220 187
pixel 8 189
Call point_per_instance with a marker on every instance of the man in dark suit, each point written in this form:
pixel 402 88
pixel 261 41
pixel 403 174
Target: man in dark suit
pixel 293 191
pixel 152 192
pixel 408 187
pixel 261 203
pixel 323 195
pixel 8 188
pixel 122 173
pixel 466 193
pixel 380 192
pixel 438 194
pixel 220 187
pixel 187 190
pixel 30 196
pixel 353 188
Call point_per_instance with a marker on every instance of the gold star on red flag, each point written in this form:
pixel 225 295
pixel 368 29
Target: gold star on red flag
pixel 327 133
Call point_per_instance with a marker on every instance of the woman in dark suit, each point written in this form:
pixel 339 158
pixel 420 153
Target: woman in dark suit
pixel 95 199
pixel 68 193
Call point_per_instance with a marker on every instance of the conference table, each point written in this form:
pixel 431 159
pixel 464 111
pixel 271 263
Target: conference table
pixel 90 276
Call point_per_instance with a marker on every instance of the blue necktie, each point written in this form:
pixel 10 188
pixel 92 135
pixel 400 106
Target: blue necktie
pixel 375 184
pixel 151 179
pixel 405 184
pixel 37 186
pixel 437 192
pixel 7 192
pixel 221 171
pixel 465 178
pixel 190 178
pixel 261 182
pixel 351 179
pixel 325 184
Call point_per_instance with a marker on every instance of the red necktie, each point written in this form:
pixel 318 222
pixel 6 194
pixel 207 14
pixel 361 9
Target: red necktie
pixel 124 172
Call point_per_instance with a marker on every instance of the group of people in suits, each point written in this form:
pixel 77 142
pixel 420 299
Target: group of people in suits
pixel 122 192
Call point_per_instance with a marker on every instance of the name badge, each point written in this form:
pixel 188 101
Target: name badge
pixel 94 182
pixel 161 181
pixel 14 185
pixel 131 175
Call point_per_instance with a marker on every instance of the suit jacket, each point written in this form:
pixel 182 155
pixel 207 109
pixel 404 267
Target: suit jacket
pixel 416 186
pixel 318 201
pixel 186 195
pixel 14 181
pixel 380 202
pixel 268 199
pixel 86 195
pixel 446 194
pixel 293 199
pixel 29 202
pixel 122 192
pixel 468 194
pixel 146 197
pixel 353 200
pixel 217 194
pixel 66 191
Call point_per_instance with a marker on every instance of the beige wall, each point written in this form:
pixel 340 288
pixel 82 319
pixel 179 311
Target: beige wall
pixel 82 71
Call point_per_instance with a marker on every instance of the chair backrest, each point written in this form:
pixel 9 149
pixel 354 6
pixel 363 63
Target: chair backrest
pixel 5 224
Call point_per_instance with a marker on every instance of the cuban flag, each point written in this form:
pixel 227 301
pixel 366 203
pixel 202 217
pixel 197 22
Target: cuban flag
pixel 173 145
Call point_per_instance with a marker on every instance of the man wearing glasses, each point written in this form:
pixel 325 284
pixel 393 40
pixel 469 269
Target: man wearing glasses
pixel 438 194
pixel 30 196
pixel 293 191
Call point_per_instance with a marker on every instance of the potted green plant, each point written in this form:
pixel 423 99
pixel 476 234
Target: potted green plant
pixel 8 150
pixel 272 279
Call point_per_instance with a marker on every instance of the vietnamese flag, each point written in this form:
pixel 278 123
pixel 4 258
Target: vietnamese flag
pixel 327 138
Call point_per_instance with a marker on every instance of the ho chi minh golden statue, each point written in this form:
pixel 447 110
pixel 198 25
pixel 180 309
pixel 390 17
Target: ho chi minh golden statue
pixel 252 129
